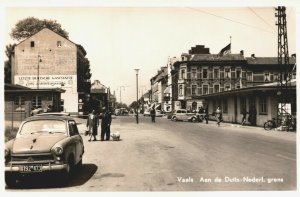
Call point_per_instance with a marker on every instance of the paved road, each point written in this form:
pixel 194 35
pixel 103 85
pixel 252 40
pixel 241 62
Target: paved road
pixel 183 156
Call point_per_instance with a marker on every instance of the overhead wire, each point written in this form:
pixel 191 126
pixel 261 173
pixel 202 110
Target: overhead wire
pixel 261 18
pixel 234 21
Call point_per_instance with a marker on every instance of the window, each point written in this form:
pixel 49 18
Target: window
pixel 263 105
pixel 216 73
pixel 180 90
pixel 194 88
pixel 182 76
pixel 73 128
pixel 216 88
pixel 267 77
pixel 227 73
pixel 242 104
pixel 36 102
pixel 58 43
pixel 238 73
pixel 204 73
pixel 62 102
pixel 252 103
pixel 249 76
pixel 205 89
pixel 19 103
pixel 225 106
pixel 194 73
pixel 227 87
pixel 238 85
pixel 32 44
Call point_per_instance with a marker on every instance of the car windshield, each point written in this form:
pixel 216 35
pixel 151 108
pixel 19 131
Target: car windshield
pixel 47 126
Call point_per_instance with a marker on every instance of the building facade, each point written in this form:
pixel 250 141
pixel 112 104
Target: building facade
pixel 205 79
pixel 47 60
pixel 158 85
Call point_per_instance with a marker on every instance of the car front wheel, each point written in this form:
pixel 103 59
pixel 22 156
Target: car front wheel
pixel 193 119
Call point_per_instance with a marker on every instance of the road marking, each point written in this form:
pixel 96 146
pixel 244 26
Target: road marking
pixel 284 157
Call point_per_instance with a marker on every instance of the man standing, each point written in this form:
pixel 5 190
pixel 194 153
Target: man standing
pixel 105 125
pixel 205 111
pixel 153 113
pixel 92 125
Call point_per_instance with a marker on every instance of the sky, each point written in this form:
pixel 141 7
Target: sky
pixel 119 39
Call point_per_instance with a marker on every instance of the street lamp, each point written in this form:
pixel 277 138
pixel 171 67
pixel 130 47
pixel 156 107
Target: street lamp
pixel 137 95
pixel 38 69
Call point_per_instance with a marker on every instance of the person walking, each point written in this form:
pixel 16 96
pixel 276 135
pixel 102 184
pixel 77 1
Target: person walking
pixel 105 125
pixel 218 116
pixel 152 114
pixel 92 125
pixel 205 111
pixel 244 113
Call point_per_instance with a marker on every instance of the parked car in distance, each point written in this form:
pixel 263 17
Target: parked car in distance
pixel 44 144
pixel 121 112
pixel 157 113
pixel 183 115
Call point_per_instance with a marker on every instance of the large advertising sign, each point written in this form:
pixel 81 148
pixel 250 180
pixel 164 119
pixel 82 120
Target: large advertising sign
pixel 46 81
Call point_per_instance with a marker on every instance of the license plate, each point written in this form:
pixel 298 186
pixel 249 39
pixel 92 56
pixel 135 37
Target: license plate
pixel 31 168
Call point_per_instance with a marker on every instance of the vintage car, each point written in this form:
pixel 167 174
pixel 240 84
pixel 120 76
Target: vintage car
pixel 157 113
pixel 182 114
pixel 44 144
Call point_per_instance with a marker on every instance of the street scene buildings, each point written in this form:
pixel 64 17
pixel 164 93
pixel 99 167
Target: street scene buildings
pixel 81 115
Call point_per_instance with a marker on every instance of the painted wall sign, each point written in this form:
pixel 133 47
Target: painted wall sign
pixel 46 81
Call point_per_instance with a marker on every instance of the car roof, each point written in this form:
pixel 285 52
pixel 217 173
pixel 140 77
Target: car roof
pixel 49 117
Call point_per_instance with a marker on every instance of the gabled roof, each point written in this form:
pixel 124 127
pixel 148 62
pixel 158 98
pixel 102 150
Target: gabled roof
pixel 42 30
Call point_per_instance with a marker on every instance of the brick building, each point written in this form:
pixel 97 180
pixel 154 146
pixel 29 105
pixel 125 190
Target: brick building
pixel 47 60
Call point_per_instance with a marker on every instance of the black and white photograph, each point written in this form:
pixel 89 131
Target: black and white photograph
pixel 125 96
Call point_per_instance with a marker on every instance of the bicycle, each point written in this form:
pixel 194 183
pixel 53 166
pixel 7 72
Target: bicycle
pixel 289 124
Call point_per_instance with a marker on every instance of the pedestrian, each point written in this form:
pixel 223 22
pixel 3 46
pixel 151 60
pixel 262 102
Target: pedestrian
pixel 205 111
pixel 92 125
pixel 105 124
pixel 218 116
pixel 252 116
pixel 49 108
pixel 244 113
pixel 152 114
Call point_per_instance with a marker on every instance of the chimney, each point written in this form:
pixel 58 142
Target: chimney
pixel 253 56
pixel 242 52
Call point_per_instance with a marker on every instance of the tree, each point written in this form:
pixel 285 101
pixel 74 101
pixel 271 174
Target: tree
pixel 29 26
pixel 7 64
pixel 134 105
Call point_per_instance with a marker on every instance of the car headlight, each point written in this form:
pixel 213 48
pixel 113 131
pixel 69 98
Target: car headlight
pixel 6 152
pixel 58 150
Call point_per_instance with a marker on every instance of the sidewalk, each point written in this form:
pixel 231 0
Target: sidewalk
pixel 291 136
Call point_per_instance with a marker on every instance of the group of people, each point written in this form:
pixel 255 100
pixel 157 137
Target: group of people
pixel 93 124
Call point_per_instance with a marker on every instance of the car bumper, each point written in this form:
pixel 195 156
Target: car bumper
pixel 45 168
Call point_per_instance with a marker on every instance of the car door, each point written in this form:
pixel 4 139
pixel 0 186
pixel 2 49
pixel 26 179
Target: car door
pixel 178 114
pixel 184 115
pixel 77 139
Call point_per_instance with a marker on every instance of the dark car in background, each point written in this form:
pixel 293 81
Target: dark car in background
pixel 44 144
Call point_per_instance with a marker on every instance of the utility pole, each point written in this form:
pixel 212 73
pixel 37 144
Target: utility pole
pixel 283 61
pixel 137 95
pixel 38 72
